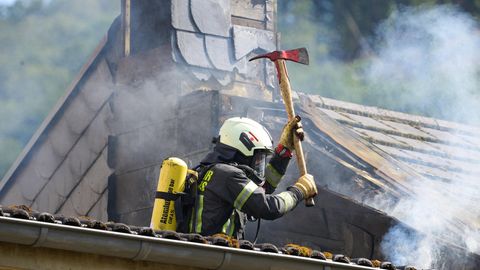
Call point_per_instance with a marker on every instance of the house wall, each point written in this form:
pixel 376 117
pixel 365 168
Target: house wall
pixel 14 256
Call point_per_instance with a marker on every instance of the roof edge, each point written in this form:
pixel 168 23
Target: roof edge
pixel 160 250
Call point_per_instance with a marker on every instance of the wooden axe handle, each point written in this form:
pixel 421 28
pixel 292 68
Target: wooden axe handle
pixel 286 92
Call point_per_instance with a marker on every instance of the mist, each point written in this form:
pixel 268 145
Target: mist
pixel 429 58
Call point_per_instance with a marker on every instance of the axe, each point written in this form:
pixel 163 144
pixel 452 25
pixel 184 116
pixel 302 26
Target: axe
pixel 299 55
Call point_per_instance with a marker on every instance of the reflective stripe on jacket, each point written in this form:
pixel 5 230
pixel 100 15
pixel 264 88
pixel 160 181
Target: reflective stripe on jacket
pixel 225 188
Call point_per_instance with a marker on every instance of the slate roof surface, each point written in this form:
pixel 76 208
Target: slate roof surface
pixel 437 149
pixel 216 44
pixel 400 147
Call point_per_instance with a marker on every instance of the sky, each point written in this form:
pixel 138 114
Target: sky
pixel 6 2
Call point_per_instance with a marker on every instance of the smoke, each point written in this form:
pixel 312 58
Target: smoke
pixel 428 58
pixel 428 62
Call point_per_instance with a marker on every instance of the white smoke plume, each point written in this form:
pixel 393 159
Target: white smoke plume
pixel 430 57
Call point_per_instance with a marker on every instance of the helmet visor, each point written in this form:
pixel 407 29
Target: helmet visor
pixel 260 162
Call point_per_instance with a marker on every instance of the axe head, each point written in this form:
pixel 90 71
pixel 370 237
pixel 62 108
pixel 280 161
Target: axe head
pixel 299 55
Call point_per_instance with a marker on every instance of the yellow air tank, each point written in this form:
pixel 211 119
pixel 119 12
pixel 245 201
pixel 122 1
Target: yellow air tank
pixel 171 181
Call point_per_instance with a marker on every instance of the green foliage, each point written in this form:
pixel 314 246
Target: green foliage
pixel 44 45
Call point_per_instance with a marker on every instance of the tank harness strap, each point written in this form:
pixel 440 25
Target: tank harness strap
pixel 169 196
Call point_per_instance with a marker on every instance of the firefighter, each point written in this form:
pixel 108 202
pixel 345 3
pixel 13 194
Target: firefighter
pixel 236 182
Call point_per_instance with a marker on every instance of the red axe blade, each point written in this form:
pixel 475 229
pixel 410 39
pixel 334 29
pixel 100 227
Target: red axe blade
pixel 299 55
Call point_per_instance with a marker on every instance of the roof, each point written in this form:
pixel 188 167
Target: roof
pixel 43 230
pixel 403 156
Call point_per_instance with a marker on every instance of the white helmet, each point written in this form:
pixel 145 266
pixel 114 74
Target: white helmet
pixel 245 135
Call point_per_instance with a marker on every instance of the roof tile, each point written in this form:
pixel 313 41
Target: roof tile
pixel 61 137
pixel 99 210
pixel 449 137
pixel 45 160
pixel 48 199
pixel 338 116
pixel 83 199
pixel 212 16
pixel 99 87
pixel 192 48
pixel 181 17
pixel 378 137
pixel 78 115
pixel 15 196
pixel 30 183
pixel 408 130
pixel 247 39
pixel 68 208
pixel 457 152
pixel 62 181
pixel 98 131
pixel 80 158
pixel 220 52
pixel 97 175
pixel 367 122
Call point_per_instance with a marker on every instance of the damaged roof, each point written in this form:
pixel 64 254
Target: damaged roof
pixel 436 149
pixel 394 148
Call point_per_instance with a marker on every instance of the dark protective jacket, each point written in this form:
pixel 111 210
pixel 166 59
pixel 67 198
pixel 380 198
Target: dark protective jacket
pixel 227 191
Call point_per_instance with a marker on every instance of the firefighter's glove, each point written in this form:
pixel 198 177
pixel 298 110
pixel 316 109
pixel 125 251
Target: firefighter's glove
pixel 306 184
pixel 293 126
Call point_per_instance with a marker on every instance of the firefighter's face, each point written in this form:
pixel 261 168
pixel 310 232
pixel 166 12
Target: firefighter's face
pixel 260 162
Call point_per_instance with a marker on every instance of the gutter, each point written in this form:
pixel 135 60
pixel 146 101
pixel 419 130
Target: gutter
pixel 152 249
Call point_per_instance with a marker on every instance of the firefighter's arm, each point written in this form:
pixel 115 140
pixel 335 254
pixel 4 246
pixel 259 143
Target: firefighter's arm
pixel 283 153
pixel 276 168
pixel 251 199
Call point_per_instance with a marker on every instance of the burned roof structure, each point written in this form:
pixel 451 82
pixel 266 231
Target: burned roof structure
pixel 160 84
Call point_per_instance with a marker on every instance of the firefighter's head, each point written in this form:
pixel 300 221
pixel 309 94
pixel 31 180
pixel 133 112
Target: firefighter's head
pixel 250 140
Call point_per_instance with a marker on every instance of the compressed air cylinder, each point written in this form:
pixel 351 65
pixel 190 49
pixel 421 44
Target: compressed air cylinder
pixel 171 181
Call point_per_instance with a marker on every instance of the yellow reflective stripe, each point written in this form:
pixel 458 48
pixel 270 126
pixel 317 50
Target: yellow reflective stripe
pixel 198 228
pixel 225 226
pixel 272 176
pixel 232 224
pixel 289 201
pixel 244 195
pixel 229 226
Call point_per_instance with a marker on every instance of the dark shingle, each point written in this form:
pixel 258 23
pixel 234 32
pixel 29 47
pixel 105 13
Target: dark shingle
pixel 181 17
pixel 99 210
pixel 48 199
pixel 220 52
pixel 192 48
pixel 99 87
pixel 98 131
pixel 78 115
pixel 62 137
pixel 30 183
pixel 212 16
pixel 247 39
